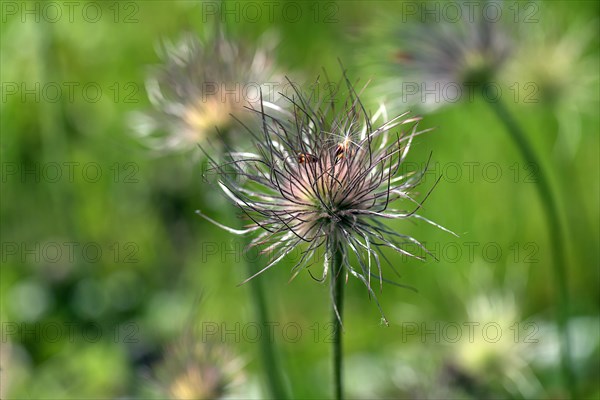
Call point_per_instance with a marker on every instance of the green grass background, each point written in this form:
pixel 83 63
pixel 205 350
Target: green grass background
pixel 146 204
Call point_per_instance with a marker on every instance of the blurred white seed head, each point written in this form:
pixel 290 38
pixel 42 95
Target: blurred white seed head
pixel 433 63
pixel 556 69
pixel 202 86
pixel 497 352
pixel 196 369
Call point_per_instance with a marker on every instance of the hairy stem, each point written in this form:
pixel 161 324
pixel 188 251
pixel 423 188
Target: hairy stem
pixel 557 243
pixel 337 291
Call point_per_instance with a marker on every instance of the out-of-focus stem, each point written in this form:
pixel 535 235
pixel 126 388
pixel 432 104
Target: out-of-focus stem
pixel 267 347
pixel 557 243
pixel 270 361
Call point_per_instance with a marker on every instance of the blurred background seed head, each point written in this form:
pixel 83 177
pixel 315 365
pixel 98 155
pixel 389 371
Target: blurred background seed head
pixel 203 87
pixel 193 368
pixel 433 59
pixel 557 62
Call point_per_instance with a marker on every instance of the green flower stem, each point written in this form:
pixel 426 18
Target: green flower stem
pixel 559 261
pixel 267 347
pixel 270 360
pixel 337 287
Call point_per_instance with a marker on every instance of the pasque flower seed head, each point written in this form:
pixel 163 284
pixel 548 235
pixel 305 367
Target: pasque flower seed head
pixel 323 176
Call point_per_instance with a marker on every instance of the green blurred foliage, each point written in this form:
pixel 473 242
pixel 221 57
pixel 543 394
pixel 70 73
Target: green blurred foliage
pixel 161 269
